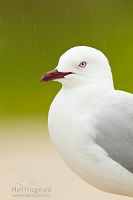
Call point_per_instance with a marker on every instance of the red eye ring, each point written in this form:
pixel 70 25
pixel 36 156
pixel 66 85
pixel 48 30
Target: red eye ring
pixel 83 64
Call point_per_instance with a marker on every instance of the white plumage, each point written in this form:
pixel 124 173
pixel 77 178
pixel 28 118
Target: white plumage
pixel 91 123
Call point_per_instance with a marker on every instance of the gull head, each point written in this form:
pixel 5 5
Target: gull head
pixel 80 65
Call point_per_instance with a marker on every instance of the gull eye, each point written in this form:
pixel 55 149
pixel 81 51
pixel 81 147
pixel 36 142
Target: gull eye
pixel 83 64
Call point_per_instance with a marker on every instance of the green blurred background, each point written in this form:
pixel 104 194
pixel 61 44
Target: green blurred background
pixel 33 34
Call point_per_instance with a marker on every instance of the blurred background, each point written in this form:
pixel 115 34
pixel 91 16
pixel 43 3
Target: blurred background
pixel 33 34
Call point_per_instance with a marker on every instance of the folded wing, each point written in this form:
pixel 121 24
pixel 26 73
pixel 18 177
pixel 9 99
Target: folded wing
pixel 115 129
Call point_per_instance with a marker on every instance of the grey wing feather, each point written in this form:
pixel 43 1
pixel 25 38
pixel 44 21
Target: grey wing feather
pixel 115 131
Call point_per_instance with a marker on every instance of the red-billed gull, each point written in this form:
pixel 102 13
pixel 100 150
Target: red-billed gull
pixel 91 123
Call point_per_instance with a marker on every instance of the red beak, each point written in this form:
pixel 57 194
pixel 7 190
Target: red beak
pixel 54 74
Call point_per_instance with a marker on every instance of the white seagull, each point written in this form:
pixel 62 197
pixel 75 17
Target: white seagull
pixel 91 123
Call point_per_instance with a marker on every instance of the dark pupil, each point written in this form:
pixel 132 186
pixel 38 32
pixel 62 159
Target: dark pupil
pixel 82 64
